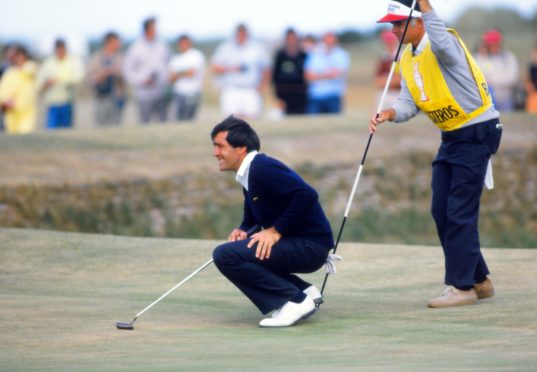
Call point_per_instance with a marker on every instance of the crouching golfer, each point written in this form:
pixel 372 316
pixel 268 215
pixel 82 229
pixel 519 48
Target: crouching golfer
pixel 295 237
pixel 441 78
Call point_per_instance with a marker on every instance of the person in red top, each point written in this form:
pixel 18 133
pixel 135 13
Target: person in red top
pixel 384 65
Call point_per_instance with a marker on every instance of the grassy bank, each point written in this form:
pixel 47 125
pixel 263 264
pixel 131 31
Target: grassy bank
pixel 162 181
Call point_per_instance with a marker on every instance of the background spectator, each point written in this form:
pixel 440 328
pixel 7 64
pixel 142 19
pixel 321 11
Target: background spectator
pixel 57 79
pixel 146 70
pixel 501 69
pixel 531 83
pixel 308 43
pixel 105 75
pixel 7 60
pixel 187 69
pixel 326 71
pixel 383 68
pixel 288 75
pixel 242 68
pixel 8 57
pixel 18 93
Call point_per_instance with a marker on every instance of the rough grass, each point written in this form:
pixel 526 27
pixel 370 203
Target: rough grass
pixel 163 181
pixel 61 294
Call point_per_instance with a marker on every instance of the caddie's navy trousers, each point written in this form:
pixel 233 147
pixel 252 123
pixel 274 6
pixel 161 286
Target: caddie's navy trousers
pixel 458 175
pixel 270 283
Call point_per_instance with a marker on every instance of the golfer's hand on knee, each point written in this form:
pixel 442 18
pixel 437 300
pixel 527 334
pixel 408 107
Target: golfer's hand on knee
pixel 265 240
pixel 237 234
pixel 380 118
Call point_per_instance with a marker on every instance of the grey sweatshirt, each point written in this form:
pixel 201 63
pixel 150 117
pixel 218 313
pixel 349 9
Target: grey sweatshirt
pixel 455 69
pixel 147 60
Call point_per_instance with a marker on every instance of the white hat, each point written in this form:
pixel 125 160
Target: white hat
pixel 399 10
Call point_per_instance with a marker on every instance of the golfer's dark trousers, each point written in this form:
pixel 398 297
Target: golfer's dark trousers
pixel 269 283
pixel 458 175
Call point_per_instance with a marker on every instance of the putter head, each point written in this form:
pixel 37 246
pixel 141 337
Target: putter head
pixel 125 326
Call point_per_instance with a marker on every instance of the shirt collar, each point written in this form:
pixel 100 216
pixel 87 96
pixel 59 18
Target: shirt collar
pixel 242 174
pixel 421 45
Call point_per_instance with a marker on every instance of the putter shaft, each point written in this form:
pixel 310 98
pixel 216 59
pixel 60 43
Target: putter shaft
pixel 129 326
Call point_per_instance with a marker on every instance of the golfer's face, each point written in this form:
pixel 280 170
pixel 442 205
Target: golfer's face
pixel 229 158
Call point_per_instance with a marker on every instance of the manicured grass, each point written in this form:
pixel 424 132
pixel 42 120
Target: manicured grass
pixel 61 294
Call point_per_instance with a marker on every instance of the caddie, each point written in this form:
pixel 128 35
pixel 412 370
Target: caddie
pixel 441 79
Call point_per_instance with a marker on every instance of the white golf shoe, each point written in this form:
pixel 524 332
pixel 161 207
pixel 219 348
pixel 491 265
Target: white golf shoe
pixel 315 294
pixel 289 314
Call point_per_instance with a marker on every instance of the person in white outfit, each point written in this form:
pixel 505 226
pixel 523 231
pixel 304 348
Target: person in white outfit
pixel 242 69
pixel 146 70
pixel 187 69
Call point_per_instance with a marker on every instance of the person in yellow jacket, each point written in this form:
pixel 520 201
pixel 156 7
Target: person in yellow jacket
pixel 56 80
pixel 18 94
pixel 442 80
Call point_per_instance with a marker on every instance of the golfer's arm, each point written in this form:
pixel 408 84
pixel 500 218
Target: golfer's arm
pixel 277 184
pixel 302 200
pixel 248 219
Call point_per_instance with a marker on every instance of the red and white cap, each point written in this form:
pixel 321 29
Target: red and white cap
pixel 399 10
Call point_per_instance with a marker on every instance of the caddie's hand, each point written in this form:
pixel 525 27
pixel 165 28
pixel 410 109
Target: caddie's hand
pixel 425 5
pixel 265 240
pixel 380 118
pixel 237 234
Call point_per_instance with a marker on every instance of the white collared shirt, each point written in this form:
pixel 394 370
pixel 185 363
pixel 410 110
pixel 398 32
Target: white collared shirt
pixel 421 45
pixel 244 170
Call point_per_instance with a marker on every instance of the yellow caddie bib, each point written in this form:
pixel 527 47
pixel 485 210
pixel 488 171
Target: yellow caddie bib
pixel 431 93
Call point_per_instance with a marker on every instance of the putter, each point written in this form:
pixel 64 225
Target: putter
pixel 130 326
pixel 360 168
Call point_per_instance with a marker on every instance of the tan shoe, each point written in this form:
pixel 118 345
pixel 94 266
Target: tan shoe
pixel 454 297
pixel 484 289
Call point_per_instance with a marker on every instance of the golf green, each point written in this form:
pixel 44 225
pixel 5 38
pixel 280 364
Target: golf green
pixel 62 293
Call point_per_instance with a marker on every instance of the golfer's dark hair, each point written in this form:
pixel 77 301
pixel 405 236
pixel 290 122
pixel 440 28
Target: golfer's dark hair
pixel 239 133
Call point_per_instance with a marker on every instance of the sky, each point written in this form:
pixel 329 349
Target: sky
pixel 40 21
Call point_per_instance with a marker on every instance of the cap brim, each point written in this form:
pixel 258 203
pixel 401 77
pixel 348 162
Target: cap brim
pixel 392 18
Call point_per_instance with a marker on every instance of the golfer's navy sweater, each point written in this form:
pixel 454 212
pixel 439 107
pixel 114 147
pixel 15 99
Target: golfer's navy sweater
pixel 278 197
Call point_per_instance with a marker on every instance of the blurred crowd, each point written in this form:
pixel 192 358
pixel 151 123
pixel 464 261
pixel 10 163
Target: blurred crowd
pixel 306 76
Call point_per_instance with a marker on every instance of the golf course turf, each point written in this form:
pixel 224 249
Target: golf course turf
pixel 61 294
